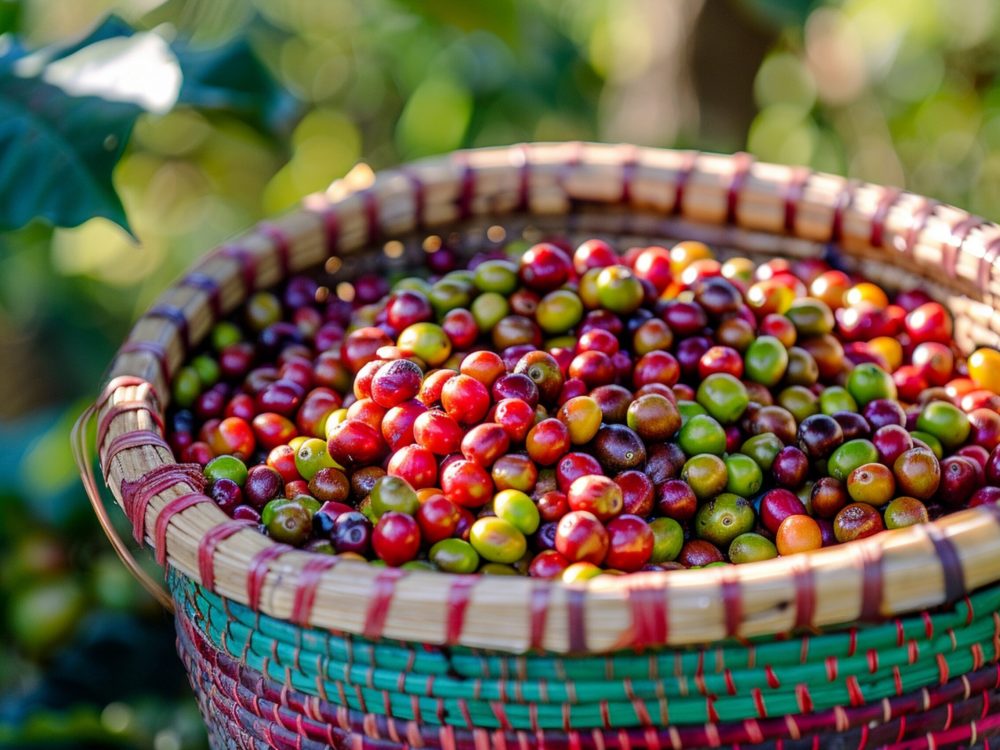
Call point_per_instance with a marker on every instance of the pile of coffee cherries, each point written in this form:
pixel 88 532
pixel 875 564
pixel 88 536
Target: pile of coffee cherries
pixel 567 412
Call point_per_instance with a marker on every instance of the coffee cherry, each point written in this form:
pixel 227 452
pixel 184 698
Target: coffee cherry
pixel 466 484
pixel 872 484
pixel 352 532
pixel 723 518
pixel 905 511
pixel 790 467
pixel 697 553
pixel 514 472
pixel 227 494
pixel 465 399
pixel 427 341
pixel 517 418
pixel 638 492
pixel 290 523
pixel 827 497
pixel 438 518
pixel 396 382
pixel 778 504
pixel 847 397
pixel 917 473
pixel 497 540
pixel 393 494
pixel 548 564
pixel 581 537
pixel 396 538
pixel 263 484
pixel 598 495
pixel 857 521
pixel 547 442
pixel 572 466
pixel 630 543
pixel 226 467
pixel 485 443
pixel 798 533
pixel 353 444
pixel 618 448
pixel 544 267
pixel 959 479
pixel 819 435
pixel 850 456
pixel 454 556
pixel 945 422
pixel 517 508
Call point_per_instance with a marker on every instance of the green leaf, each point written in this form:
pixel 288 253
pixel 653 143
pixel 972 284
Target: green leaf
pixel 231 77
pixel 57 154
pixel 66 113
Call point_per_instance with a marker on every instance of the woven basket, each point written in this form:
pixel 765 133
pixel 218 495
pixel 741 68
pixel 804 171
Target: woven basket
pixel 892 640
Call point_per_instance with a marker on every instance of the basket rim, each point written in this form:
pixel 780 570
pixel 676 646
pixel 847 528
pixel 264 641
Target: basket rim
pixel 895 572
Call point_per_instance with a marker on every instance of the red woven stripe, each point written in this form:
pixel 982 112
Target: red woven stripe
pixel 889 198
pixel 794 189
pixel 649 614
pixel 844 202
pixel 176 316
pixel 990 254
pixel 210 286
pixel 458 601
pixel 371 204
pixel 872 657
pixel 137 494
pixel 918 222
pixel 115 410
pixel 961 230
pixel 419 195
pixel 871 582
pixel 576 599
pixel 951 565
pixel 208 544
pixel 730 683
pixel 129 440
pixel 742 163
pixel 172 508
pixel 269 698
pixel 305 588
pixel 732 604
pixel 122 381
pixel 282 245
pixel 257 571
pixel 805 596
pixel 758 703
pixel 629 165
pixel 539 613
pixel 854 691
pixel 683 177
pixel 804 698
pixel 524 178
pixel 247 262
pixel 467 191
pixel 943 670
pixel 383 590
pixel 331 227
pixel 154 348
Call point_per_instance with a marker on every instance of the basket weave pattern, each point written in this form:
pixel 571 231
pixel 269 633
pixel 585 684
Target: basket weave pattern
pixel 291 649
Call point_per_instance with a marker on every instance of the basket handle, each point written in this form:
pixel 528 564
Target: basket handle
pixel 85 464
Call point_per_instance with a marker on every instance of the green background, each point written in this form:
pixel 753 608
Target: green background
pixel 902 92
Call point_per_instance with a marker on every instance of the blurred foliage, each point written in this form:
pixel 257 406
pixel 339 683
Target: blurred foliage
pixel 291 94
pixel 67 111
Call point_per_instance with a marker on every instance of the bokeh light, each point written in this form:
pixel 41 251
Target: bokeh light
pixel 902 92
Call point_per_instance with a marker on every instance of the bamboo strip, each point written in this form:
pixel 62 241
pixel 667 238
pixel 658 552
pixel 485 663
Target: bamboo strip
pixel 583 186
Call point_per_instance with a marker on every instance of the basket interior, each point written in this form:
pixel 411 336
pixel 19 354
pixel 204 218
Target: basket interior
pixel 629 197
